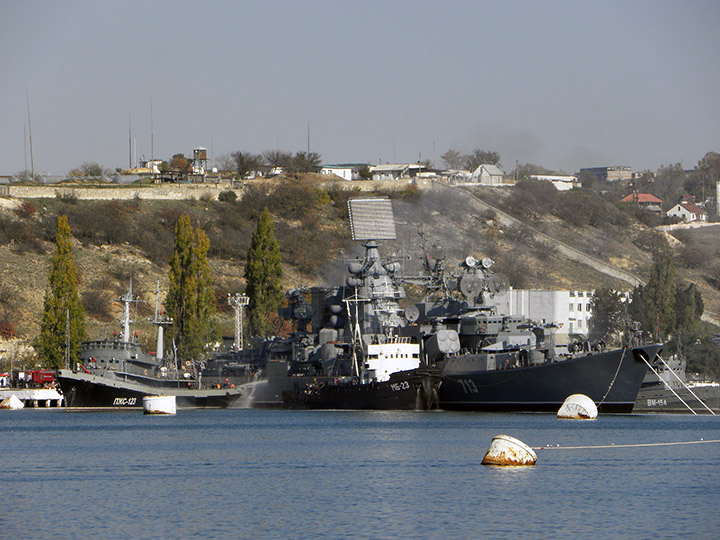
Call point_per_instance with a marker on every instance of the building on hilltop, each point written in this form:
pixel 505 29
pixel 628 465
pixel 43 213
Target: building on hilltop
pixel 644 200
pixel 487 175
pixel 396 171
pixel 688 211
pixel 561 182
pixel 609 174
pixel 346 171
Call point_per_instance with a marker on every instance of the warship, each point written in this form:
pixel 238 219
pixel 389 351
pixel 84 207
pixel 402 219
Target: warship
pixel 493 362
pixel 476 358
pixel 362 360
pixel 116 373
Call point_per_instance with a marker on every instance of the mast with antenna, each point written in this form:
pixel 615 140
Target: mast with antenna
pixel 129 141
pixel 32 158
pixel 160 321
pixel 152 132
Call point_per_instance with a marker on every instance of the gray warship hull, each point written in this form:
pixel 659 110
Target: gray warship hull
pixel 611 379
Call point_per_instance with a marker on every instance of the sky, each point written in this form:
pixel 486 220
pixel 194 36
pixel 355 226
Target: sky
pixel 560 84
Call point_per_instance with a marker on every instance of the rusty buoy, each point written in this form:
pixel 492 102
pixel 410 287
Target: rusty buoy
pixel 507 450
pixel 578 407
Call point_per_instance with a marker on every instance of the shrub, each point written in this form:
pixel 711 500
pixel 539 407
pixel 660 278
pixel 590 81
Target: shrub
pixel 97 304
pixel 227 196
pixel 26 210
pixel 693 257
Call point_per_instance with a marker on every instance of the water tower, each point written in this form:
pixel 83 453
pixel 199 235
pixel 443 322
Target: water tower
pixel 199 160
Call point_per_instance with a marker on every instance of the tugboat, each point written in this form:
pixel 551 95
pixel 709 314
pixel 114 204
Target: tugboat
pixel 117 373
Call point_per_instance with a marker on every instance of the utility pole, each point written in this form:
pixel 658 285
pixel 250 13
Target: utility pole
pixel 152 132
pixel 32 157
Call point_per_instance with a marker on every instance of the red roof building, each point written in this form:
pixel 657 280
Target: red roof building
pixel 646 200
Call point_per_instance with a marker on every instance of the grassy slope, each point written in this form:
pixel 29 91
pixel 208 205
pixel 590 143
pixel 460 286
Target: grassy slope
pixel 448 226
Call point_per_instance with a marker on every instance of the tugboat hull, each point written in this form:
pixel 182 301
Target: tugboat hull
pixel 405 390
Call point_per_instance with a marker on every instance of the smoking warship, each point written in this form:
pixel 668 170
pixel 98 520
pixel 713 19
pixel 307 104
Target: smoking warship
pixel 117 373
pixel 362 360
pixel 485 361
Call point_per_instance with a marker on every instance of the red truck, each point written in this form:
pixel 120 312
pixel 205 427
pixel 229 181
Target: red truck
pixel 38 377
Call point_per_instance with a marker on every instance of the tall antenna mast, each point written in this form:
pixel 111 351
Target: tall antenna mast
pixel 32 158
pixel 129 141
pixel 152 133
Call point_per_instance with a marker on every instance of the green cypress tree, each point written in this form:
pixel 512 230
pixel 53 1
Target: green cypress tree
pixel 62 305
pixel 191 298
pixel 653 305
pixel 263 274
pixel 608 313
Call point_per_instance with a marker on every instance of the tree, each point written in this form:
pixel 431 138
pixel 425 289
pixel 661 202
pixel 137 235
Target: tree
pixel 246 163
pixel 608 313
pixel 304 162
pixel 191 298
pixel 689 308
pixel 63 322
pixel 263 272
pixel 178 162
pixel 481 157
pixel 701 183
pixel 653 305
pixel 89 169
pixel 225 163
pixel 276 158
pixel 453 159
pixel 669 184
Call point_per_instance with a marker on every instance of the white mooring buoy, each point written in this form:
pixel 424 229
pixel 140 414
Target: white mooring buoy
pixel 159 405
pixel 11 402
pixel 578 407
pixel 506 450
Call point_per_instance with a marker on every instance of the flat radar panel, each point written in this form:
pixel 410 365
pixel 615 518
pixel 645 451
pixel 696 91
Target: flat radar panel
pixel 372 219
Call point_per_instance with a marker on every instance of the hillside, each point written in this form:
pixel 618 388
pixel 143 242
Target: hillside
pixel 117 240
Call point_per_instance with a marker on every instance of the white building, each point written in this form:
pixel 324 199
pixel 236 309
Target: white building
pixel 561 182
pixel 346 171
pixel 487 175
pixel 570 310
pixel 687 211
pixel 394 171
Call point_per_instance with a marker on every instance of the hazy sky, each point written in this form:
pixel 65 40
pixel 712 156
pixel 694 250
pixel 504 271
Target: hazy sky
pixel 564 84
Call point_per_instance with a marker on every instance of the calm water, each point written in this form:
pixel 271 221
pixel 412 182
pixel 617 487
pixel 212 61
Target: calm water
pixel 255 474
